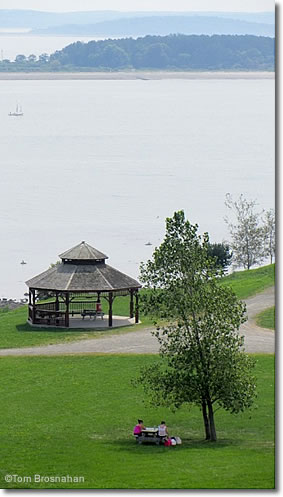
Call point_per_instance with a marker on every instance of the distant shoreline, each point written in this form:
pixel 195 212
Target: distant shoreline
pixel 136 75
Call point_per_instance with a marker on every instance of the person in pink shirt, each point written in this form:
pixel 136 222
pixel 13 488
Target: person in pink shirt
pixel 138 428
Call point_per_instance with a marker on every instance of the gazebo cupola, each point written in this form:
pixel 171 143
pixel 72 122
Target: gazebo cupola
pixel 76 286
pixel 83 254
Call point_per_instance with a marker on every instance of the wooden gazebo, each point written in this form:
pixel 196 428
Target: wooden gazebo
pixel 77 283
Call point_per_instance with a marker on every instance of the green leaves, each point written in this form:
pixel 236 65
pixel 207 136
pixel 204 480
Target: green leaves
pixel 202 357
pixel 251 241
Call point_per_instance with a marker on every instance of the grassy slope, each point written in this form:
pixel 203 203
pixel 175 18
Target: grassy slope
pixel 266 319
pixel 248 283
pixel 75 416
pixel 15 332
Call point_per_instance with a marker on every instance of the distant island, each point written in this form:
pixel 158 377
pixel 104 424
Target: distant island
pixel 35 19
pixel 175 52
pixel 162 26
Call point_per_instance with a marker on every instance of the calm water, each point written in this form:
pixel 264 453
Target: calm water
pixel 107 161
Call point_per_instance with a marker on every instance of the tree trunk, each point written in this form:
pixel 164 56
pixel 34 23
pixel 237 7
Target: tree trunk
pixel 205 420
pixel 213 437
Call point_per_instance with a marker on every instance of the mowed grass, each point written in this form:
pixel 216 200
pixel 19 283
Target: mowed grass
pixel 266 319
pixel 248 283
pixel 74 416
pixel 16 332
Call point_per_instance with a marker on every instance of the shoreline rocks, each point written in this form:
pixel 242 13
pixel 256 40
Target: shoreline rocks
pixel 12 303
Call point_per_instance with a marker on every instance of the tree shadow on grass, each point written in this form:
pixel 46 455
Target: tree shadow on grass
pixel 187 444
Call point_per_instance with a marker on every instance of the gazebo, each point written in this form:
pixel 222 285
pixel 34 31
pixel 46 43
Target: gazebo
pixel 76 286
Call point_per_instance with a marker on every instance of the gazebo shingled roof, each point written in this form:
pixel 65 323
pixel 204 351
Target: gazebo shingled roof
pixel 82 278
pixel 72 275
pixel 83 270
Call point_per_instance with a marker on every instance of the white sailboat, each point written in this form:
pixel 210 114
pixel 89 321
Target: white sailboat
pixel 18 111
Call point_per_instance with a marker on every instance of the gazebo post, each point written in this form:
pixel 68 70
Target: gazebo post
pixel 67 310
pixel 137 308
pixel 57 302
pixel 132 303
pixel 57 308
pixel 110 309
pixel 33 306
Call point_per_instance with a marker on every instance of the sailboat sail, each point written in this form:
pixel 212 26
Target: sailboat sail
pixel 18 111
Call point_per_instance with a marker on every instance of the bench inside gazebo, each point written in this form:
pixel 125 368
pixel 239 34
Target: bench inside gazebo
pixel 70 294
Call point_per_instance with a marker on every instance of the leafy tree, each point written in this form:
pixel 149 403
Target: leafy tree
pixel 155 55
pixel 43 58
pixel 31 58
pixel 246 233
pixel 113 56
pixel 184 60
pixel 201 358
pixel 55 65
pixel 222 254
pixel 20 58
pixel 54 264
pixel 269 234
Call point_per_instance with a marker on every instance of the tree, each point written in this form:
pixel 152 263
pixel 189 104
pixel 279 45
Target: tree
pixel 154 56
pixel 113 57
pixel 246 233
pixel 269 234
pixel 222 254
pixel 43 58
pixel 201 357
pixel 20 58
pixel 32 58
pixel 55 65
pixel 54 264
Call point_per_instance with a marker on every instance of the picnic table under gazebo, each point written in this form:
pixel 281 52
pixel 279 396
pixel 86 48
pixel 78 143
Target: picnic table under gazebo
pixel 75 287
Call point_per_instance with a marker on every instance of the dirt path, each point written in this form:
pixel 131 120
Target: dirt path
pixel 259 340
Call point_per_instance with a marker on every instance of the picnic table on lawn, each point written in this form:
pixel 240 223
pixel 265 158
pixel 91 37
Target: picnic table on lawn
pixel 149 435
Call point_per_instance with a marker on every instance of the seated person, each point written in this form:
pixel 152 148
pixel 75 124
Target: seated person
pixel 138 428
pixel 163 431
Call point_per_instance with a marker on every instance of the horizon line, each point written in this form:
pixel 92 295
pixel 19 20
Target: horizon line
pixel 146 10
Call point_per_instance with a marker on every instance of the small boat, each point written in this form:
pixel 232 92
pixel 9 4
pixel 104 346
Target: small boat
pixel 23 262
pixel 148 243
pixel 18 111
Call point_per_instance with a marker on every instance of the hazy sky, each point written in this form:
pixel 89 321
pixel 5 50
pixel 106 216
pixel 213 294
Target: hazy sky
pixel 132 5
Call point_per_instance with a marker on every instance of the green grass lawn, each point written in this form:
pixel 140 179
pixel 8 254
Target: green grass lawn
pixel 16 332
pixel 74 416
pixel 266 319
pixel 248 283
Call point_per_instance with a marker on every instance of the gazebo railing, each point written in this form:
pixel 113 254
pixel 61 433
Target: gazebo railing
pixel 78 307
pixel 48 306
pixel 62 305
pixel 75 307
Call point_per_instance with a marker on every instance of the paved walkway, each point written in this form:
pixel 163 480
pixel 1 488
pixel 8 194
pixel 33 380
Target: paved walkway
pixel 259 340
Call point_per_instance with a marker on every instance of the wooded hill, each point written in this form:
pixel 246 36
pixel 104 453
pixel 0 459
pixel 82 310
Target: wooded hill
pixel 163 26
pixel 173 52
